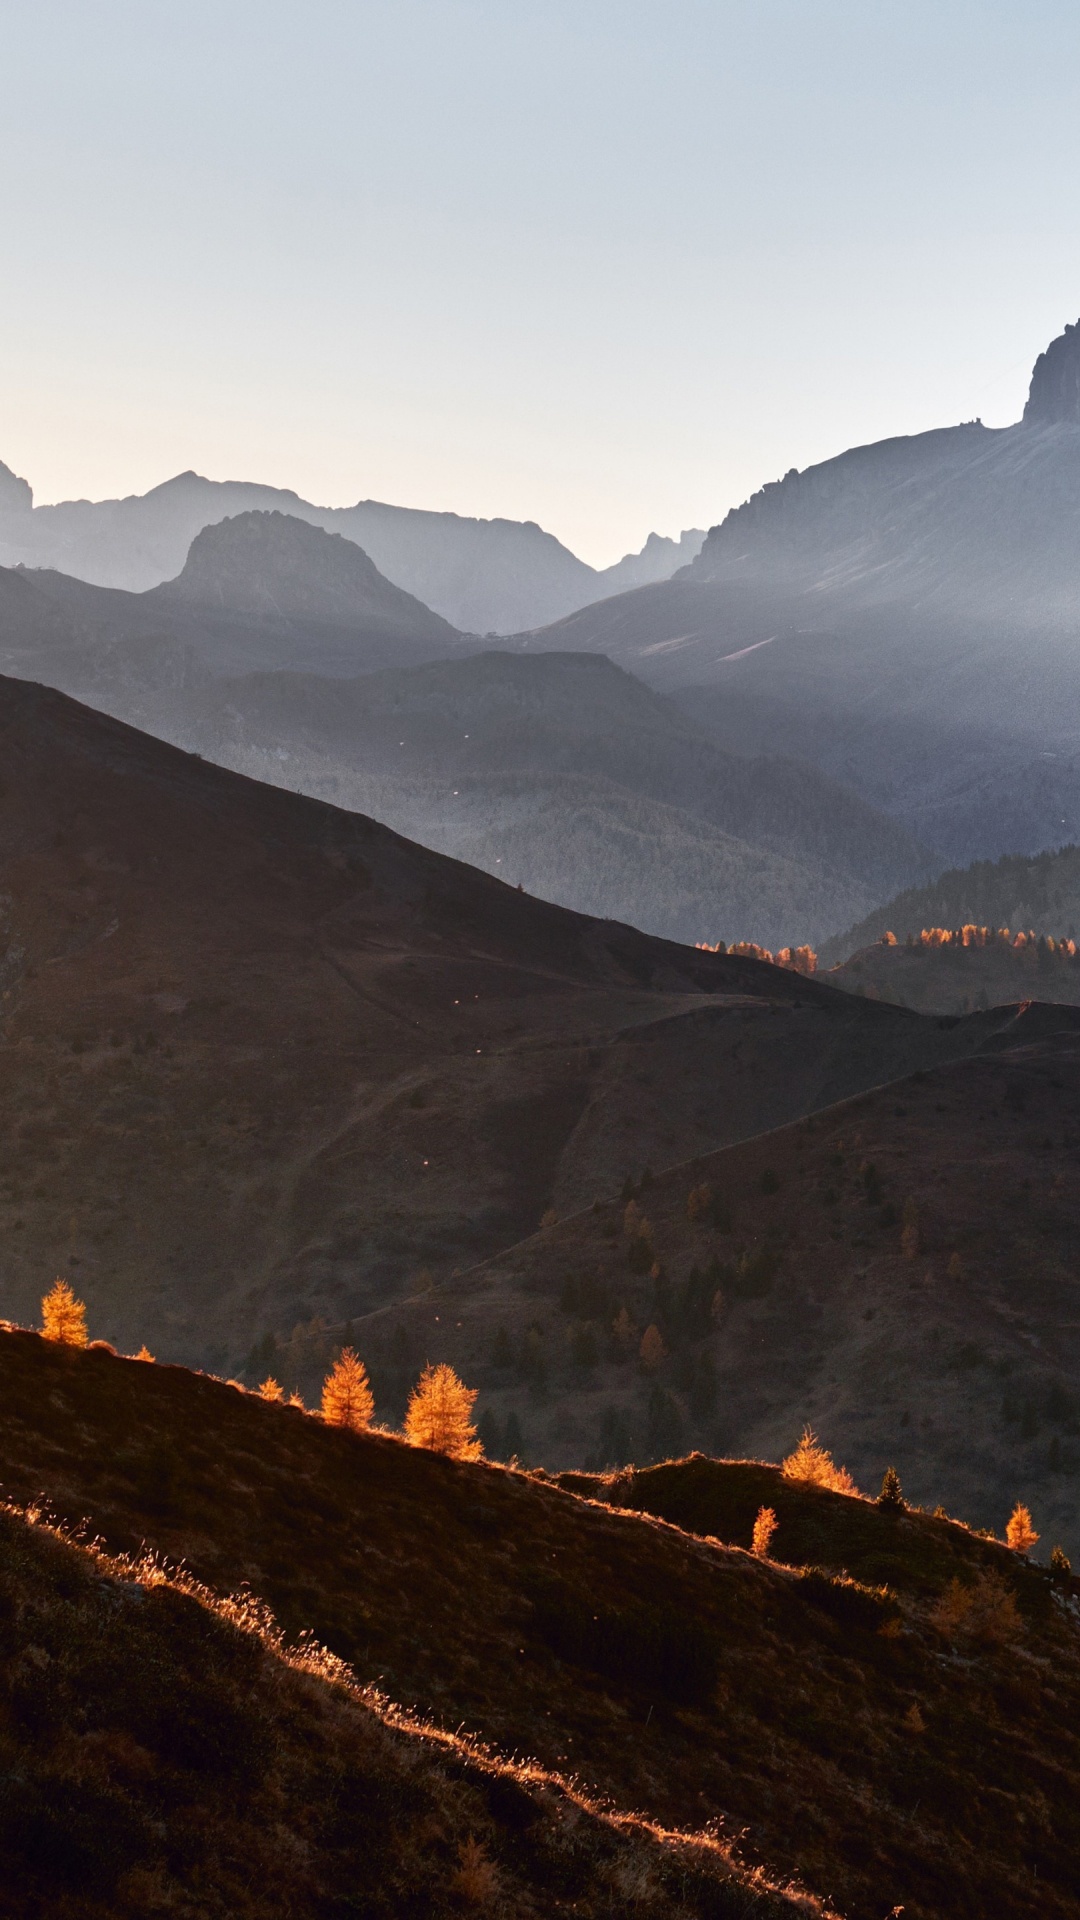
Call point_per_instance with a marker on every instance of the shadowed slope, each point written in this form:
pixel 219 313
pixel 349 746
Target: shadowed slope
pixel 681 1677
pixel 786 1292
pixel 264 1059
pixel 163 1748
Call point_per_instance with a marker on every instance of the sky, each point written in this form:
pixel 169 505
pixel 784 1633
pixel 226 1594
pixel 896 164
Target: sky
pixel 608 265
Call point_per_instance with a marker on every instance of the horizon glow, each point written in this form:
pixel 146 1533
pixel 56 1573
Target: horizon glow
pixel 606 267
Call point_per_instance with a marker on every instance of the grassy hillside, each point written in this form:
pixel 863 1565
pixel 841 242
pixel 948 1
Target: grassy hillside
pixel 165 1750
pixel 264 1060
pixel 781 1289
pixel 896 1738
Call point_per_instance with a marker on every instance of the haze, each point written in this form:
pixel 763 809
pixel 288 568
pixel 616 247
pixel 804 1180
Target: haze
pixel 606 267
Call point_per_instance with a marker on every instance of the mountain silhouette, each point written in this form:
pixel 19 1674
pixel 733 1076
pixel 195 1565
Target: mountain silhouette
pixel 903 616
pixel 481 575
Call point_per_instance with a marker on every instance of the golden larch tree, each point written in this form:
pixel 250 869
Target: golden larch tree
pixel 1020 1534
pixel 347 1399
pixel 814 1463
pixel 63 1317
pixel 439 1415
pixel 764 1527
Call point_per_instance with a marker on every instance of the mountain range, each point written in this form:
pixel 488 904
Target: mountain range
pixel 266 1061
pixel 483 576
pixel 903 616
pixel 561 771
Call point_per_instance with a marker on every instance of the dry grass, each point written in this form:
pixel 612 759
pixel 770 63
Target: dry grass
pixel 163 1750
pixel 654 1667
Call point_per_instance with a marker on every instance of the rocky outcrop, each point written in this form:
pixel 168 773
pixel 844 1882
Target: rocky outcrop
pixel 1054 396
pixel 16 496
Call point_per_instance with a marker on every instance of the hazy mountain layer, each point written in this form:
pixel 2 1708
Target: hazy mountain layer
pixel 902 615
pixel 570 776
pixel 259 591
pixel 484 576
pixel 560 772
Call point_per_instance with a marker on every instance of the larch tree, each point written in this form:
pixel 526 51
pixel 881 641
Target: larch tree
pixel 814 1463
pixel 1020 1534
pixel 63 1317
pixel 764 1527
pixel 439 1415
pixel 347 1399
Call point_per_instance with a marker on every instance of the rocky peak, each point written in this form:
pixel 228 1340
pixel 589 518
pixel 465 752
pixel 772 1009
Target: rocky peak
pixel 16 496
pixel 1054 396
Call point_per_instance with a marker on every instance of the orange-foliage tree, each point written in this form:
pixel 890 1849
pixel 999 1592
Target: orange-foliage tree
pixel 63 1317
pixel 1020 1534
pixel 439 1415
pixel 347 1399
pixel 814 1463
pixel 764 1527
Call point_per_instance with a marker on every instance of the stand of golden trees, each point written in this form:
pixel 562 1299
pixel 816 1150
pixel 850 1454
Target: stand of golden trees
pixel 795 959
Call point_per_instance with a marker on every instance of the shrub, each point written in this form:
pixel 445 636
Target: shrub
pixel 986 1611
pixel 892 1494
pixel 764 1527
pixel 851 1604
pixel 438 1415
pixel 1060 1564
pixel 1020 1534
pixel 814 1464
pixel 63 1317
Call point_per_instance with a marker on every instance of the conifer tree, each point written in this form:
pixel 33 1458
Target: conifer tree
pixel 764 1527
pixel 891 1494
pixel 347 1399
pixel 1020 1534
pixel 439 1415
pixel 63 1317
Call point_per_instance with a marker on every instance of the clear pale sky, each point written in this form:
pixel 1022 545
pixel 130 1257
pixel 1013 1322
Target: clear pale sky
pixel 605 264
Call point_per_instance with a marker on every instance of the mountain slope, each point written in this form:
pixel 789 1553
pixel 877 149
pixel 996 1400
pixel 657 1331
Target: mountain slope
pixel 271 567
pixel 569 775
pixel 260 591
pixel 1042 894
pixel 849 1731
pixel 177 1755
pixel 902 616
pixel 263 1059
pixel 786 1292
pixel 483 576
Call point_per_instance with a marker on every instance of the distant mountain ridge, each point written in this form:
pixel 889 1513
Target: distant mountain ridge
pixel 904 615
pixel 281 651
pixel 484 576
pixel 567 774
